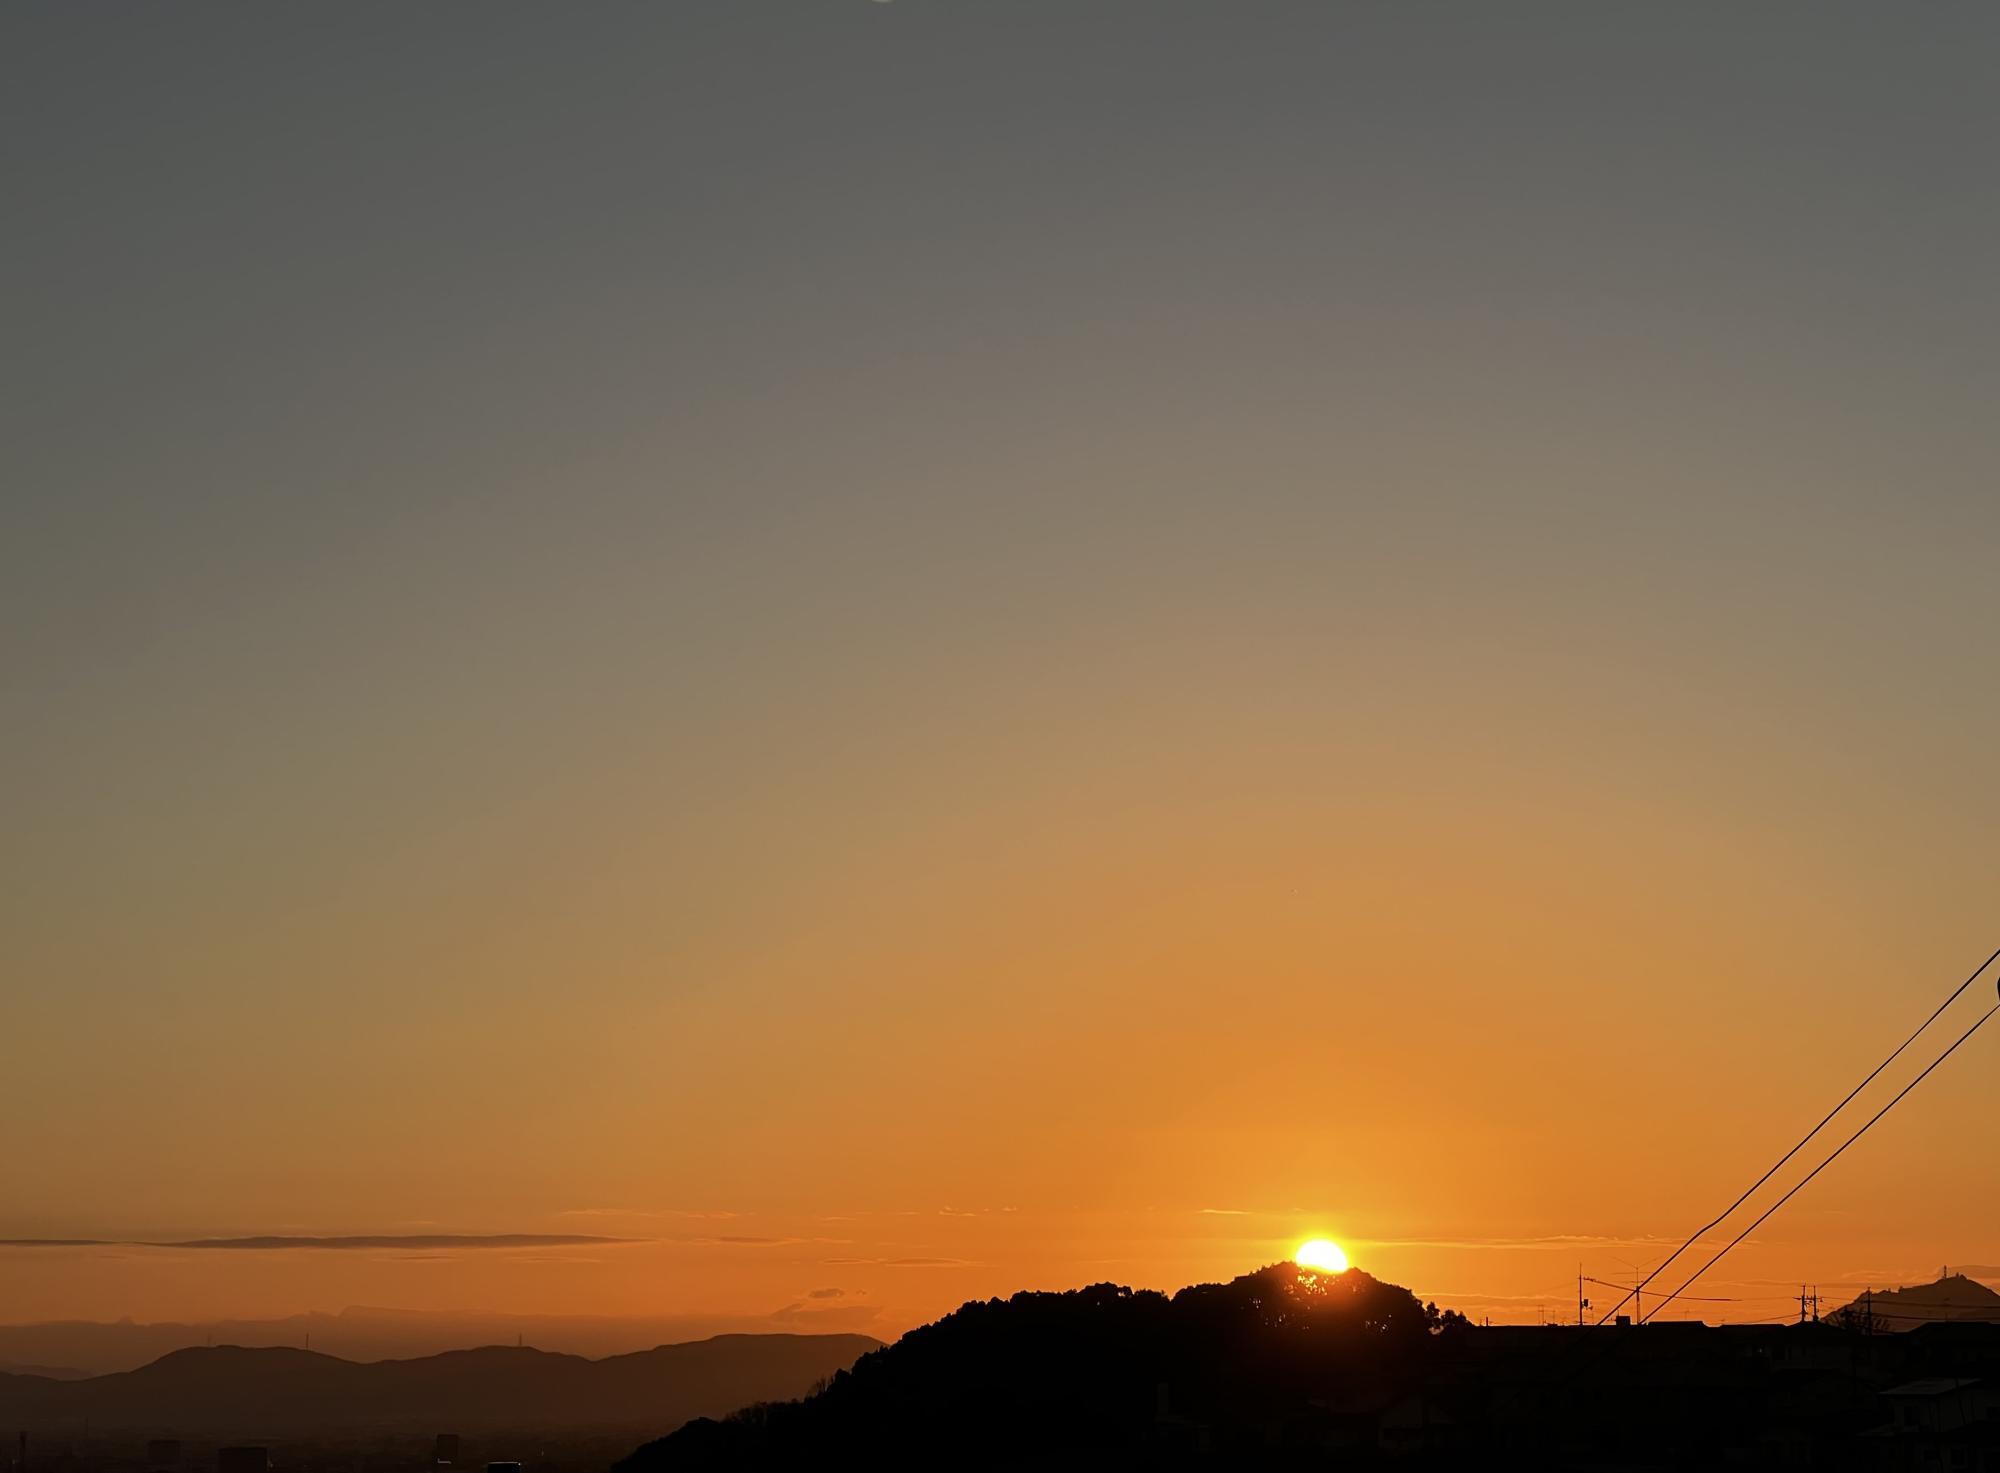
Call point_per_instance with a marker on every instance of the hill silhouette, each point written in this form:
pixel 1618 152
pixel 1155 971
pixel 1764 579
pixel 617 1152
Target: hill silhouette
pixel 1954 1297
pixel 1286 1368
pixel 365 1333
pixel 278 1392
pixel 1095 1372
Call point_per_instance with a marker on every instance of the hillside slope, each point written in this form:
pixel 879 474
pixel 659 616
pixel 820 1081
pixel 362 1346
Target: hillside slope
pixel 274 1392
pixel 1952 1298
pixel 1097 1375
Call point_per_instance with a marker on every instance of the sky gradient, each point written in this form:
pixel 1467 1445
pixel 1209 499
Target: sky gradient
pixel 931 648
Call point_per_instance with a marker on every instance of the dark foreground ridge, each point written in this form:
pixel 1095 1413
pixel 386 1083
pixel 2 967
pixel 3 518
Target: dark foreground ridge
pixel 279 1393
pixel 1285 1368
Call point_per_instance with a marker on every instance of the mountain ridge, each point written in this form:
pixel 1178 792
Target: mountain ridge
pixel 370 1333
pixel 274 1391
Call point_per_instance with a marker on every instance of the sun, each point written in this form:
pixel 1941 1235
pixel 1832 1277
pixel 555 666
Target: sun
pixel 1321 1255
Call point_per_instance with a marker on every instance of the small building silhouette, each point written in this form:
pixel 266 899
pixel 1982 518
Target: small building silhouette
pixel 1938 1404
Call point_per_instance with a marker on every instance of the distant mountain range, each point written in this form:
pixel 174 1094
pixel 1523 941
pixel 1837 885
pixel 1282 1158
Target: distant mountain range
pixel 274 1392
pixel 1954 1297
pixel 85 1347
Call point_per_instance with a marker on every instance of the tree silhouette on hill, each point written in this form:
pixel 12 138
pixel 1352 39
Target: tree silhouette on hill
pixel 1099 1370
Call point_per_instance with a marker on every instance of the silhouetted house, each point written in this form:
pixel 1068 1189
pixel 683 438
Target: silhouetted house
pixel 1173 1431
pixel 1417 1424
pixel 1939 1403
pixel 1941 1422
pixel 163 1454
pixel 242 1460
pixel 1343 1423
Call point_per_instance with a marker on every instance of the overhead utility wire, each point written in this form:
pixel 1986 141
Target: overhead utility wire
pixel 1703 1298
pixel 1669 1299
pixel 1694 1236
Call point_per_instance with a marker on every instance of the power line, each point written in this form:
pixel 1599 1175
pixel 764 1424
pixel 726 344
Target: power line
pixel 1751 1189
pixel 1829 1160
pixel 1699 1298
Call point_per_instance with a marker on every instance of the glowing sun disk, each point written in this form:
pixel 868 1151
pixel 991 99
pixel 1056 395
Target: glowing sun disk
pixel 1322 1255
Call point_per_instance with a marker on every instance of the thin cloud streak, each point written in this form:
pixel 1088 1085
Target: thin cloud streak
pixel 720 1215
pixel 1553 1240
pixel 273 1242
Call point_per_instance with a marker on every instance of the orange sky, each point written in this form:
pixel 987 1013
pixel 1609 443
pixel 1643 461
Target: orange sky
pixel 932 649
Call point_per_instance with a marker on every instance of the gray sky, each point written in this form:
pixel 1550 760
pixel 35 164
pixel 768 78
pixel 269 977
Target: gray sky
pixel 523 515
